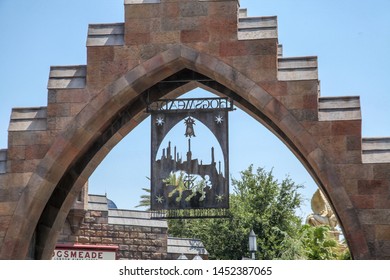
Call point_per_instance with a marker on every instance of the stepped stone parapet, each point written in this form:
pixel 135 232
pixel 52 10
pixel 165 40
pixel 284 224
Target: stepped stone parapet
pixel 252 28
pixel 165 48
pixel 376 150
pixel 297 68
pixel 3 161
pixel 67 77
pixel 34 118
pixel 339 108
pixel 106 34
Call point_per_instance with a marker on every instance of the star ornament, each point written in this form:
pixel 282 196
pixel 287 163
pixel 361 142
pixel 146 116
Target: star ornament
pixel 219 119
pixel 219 198
pixel 160 121
pixel 159 199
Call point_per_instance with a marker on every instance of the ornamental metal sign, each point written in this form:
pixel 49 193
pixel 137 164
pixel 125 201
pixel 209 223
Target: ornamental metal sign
pixel 183 186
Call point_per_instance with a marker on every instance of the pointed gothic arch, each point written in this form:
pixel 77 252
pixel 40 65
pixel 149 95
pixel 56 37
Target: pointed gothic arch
pixel 80 147
pixel 278 92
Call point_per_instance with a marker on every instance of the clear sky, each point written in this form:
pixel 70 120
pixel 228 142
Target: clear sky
pixel 351 39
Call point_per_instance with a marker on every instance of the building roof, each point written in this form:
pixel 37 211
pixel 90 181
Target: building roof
pixel 143 219
pixel 186 246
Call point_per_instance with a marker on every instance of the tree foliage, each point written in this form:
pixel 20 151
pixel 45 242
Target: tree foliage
pixel 145 199
pixel 320 245
pixel 262 203
pixel 258 202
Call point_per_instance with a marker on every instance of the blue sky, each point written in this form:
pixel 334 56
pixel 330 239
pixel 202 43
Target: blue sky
pixel 350 38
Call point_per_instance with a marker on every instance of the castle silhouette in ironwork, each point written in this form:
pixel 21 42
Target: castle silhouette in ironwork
pixel 197 185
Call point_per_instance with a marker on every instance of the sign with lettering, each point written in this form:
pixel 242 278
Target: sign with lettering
pixel 190 104
pixel 84 252
pixel 180 183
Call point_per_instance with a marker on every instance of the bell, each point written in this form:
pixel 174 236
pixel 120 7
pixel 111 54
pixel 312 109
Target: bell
pixel 190 122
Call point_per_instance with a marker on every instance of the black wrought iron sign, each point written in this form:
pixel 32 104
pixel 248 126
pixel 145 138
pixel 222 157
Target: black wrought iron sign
pixel 184 186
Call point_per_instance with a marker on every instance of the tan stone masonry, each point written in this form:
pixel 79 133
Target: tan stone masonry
pixel 52 150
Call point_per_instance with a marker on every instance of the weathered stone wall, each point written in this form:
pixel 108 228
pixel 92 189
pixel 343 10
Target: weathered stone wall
pixel 133 232
pixel 134 242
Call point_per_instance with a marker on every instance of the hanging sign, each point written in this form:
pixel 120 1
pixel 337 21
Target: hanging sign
pixel 183 186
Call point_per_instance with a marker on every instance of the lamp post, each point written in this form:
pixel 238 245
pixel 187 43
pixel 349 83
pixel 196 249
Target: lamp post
pixel 252 244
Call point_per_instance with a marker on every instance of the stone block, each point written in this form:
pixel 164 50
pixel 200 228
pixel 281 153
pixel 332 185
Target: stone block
pixel 171 10
pixel 357 243
pixel 382 232
pixel 373 187
pixel 374 216
pixel 36 151
pixel 124 234
pixel 252 28
pixel 96 227
pixel 83 239
pixel 305 87
pixel 123 247
pixel 363 201
pixel 291 126
pixel 171 37
pixel 297 68
pixel 318 129
pixel 193 9
pixel 382 201
pixel 22 166
pixel 67 77
pixel 72 96
pixel 351 127
pixel 347 108
pixel 304 141
pixel 275 88
pixel 301 102
pixel 15 153
pixel 142 11
pixel 105 35
pixel 221 28
pixel 107 240
pixel 97 240
pixel 354 171
pixel 276 111
pixel 303 115
pixel 382 171
pixel 318 161
pixel 191 36
pixel 265 66
pixel 259 97
pixel 382 249
pixel 137 38
pixel 57 110
pixel 335 147
pixel 10 194
pixel 7 208
pixel 243 48
pixel 232 49
pixel 376 150
pixel 354 143
pixel 28 125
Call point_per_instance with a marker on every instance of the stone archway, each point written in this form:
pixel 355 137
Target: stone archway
pixel 198 43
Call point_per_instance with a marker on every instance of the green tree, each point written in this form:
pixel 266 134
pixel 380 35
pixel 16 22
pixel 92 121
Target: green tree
pixel 145 199
pixel 258 202
pixel 320 245
pixel 262 203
